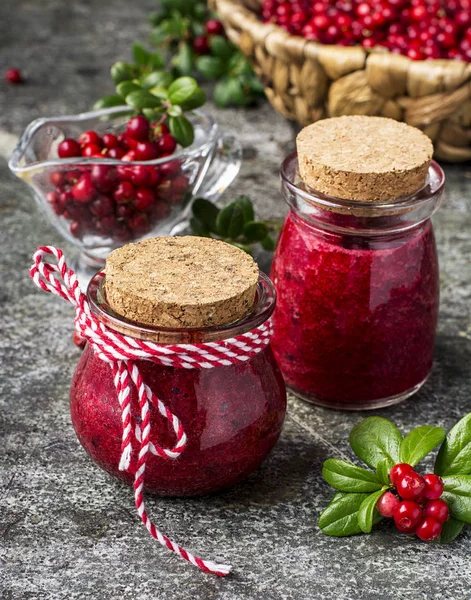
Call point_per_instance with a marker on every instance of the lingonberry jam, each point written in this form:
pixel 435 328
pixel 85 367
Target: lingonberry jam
pixel 358 294
pixel 232 415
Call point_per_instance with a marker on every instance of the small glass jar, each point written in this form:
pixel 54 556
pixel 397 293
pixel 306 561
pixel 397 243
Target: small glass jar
pixel 232 415
pixel 358 294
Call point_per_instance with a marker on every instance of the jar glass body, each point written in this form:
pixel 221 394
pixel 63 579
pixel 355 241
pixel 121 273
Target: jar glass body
pixel 358 295
pixel 232 415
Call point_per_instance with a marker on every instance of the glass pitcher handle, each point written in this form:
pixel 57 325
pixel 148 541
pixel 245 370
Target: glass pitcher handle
pixel 223 168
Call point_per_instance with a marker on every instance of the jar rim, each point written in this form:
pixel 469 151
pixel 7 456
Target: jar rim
pixel 432 186
pixel 263 307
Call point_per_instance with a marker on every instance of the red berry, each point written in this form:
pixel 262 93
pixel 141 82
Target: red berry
pixel 429 530
pixel 124 193
pixel 159 129
pixel 122 233
pixel 411 486
pixel 153 176
pixel 108 223
pixel 116 153
pixel 160 211
pixel 214 27
pixel 398 471
pixel 200 45
pixel 84 190
pixel 147 150
pixel 170 169
pixel 433 486
pixel 13 76
pixel 56 178
pixel 90 150
pixel 140 175
pixel 137 128
pixel 407 516
pixel 90 137
pixel 167 144
pixel 103 176
pixel 387 504
pixel 102 206
pixel 138 221
pixel 123 141
pixel 124 211
pixel 110 141
pixel 438 509
pixel 145 198
pixel 130 156
pixel 75 229
pixel 69 148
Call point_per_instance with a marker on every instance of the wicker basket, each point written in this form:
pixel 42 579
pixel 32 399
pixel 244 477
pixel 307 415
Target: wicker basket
pixel 307 81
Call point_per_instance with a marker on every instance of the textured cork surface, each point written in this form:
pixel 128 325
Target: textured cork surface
pixel 181 282
pixel 370 159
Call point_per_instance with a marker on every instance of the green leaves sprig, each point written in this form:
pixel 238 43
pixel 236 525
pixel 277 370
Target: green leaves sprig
pixel 235 223
pixel 379 444
pixel 146 87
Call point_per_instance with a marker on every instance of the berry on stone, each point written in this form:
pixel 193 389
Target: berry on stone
pixel 387 504
pixel 433 486
pixel 137 128
pixel 398 471
pixel 438 509
pixel 411 486
pixel 69 148
pixel 407 516
pixel 429 530
pixel 14 76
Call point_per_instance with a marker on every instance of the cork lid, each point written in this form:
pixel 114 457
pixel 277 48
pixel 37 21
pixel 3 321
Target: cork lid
pixel 369 159
pixel 181 282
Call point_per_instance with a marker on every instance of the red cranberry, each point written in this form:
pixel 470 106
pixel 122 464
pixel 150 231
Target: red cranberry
pixel 84 190
pixel 144 198
pixel 153 176
pixel 124 193
pixel 102 206
pixel 429 530
pixel 138 221
pixel 124 173
pixel 438 509
pixel 160 211
pixel 69 148
pixel 411 486
pixel 214 27
pixel 90 137
pixel 123 141
pixel 108 223
pixel 387 504
pixel 73 176
pixel 56 178
pixel 110 141
pixel 122 233
pixel 137 128
pixel 130 156
pixel 170 169
pixel 407 516
pixel 14 76
pixel 75 229
pixel 116 153
pixel 433 486
pixel 398 471
pixel 91 150
pixel 140 175
pixel 124 211
pixel 179 184
pixel 167 144
pixel 159 129
pixel 147 150
pixel 103 177
pixel 201 45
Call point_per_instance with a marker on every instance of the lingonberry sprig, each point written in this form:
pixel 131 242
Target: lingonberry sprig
pixel 235 223
pixel 432 506
pixel 195 42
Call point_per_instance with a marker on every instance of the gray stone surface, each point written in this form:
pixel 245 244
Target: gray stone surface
pixel 67 530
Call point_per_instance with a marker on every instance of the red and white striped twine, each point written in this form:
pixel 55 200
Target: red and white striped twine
pixel 121 352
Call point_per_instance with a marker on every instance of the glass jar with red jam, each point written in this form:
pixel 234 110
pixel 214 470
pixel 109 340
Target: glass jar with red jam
pixel 357 280
pixel 232 415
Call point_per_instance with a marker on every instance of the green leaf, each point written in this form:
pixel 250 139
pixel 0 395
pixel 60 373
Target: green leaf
pixel 140 99
pixel 183 60
pixel 367 511
pixel 175 111
pixel 140 54
pixel 450 530
pixel 340 518
pixel 346 477
pixel 196 100
pixel 126 87
pixel 152 114
pixel 158 36
pixel 198 228
pixel 160 79
pixel 382 471
pixel 211 67
pixel 182 130
pixel 255 231
pixel 268 243
pixel 457 494
pixel 108 102
pixel 454 456
pixel 246 205
pixel 221 47
pixel 222 93
pixel 420 442
pixel 206 212
pixel 375 439
pixel 155 61
pixel 159 92
pixel 121 71
pixel 230 221
pixel 182 89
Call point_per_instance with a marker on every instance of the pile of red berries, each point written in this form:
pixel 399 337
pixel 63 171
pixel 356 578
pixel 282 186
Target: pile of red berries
pixel 419 29
pixel 123 202
pixel 201 43
pixel 416 507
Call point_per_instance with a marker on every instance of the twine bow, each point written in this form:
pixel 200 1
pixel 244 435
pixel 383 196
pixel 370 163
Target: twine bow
pixel 122 352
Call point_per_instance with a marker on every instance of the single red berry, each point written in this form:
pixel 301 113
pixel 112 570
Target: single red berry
pixel 387 504
pixel 201 45
pixel 14 76
pixel 214 27
pixel 170 169
pixel 90 137
pixel 124 211
pixel 108 223
pixel 407 516
pixel 84 190
pixel 438 509
pixel 138 222
pixel 102 206
pixel 123 172
pixel 154 176
pixel 160 211
pixel 69 148
pixel 167 144
pixel 411 486
pixel 140 175
pixel 130 156
pixel 75 229
pixel 429 530
pixel 398 471
pixel 433 486
pixel 90 150
pixel 145 198
pixel 179 184
pixel 124 193
pixel 137 128
pixel 103 176
pixel 110 141
pixel 122 233
pixel 123 141
pixel 116 153
pixel 147 150
pixel 56 178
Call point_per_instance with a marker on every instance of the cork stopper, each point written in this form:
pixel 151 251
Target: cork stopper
pixel 181 282
pixel 368 159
